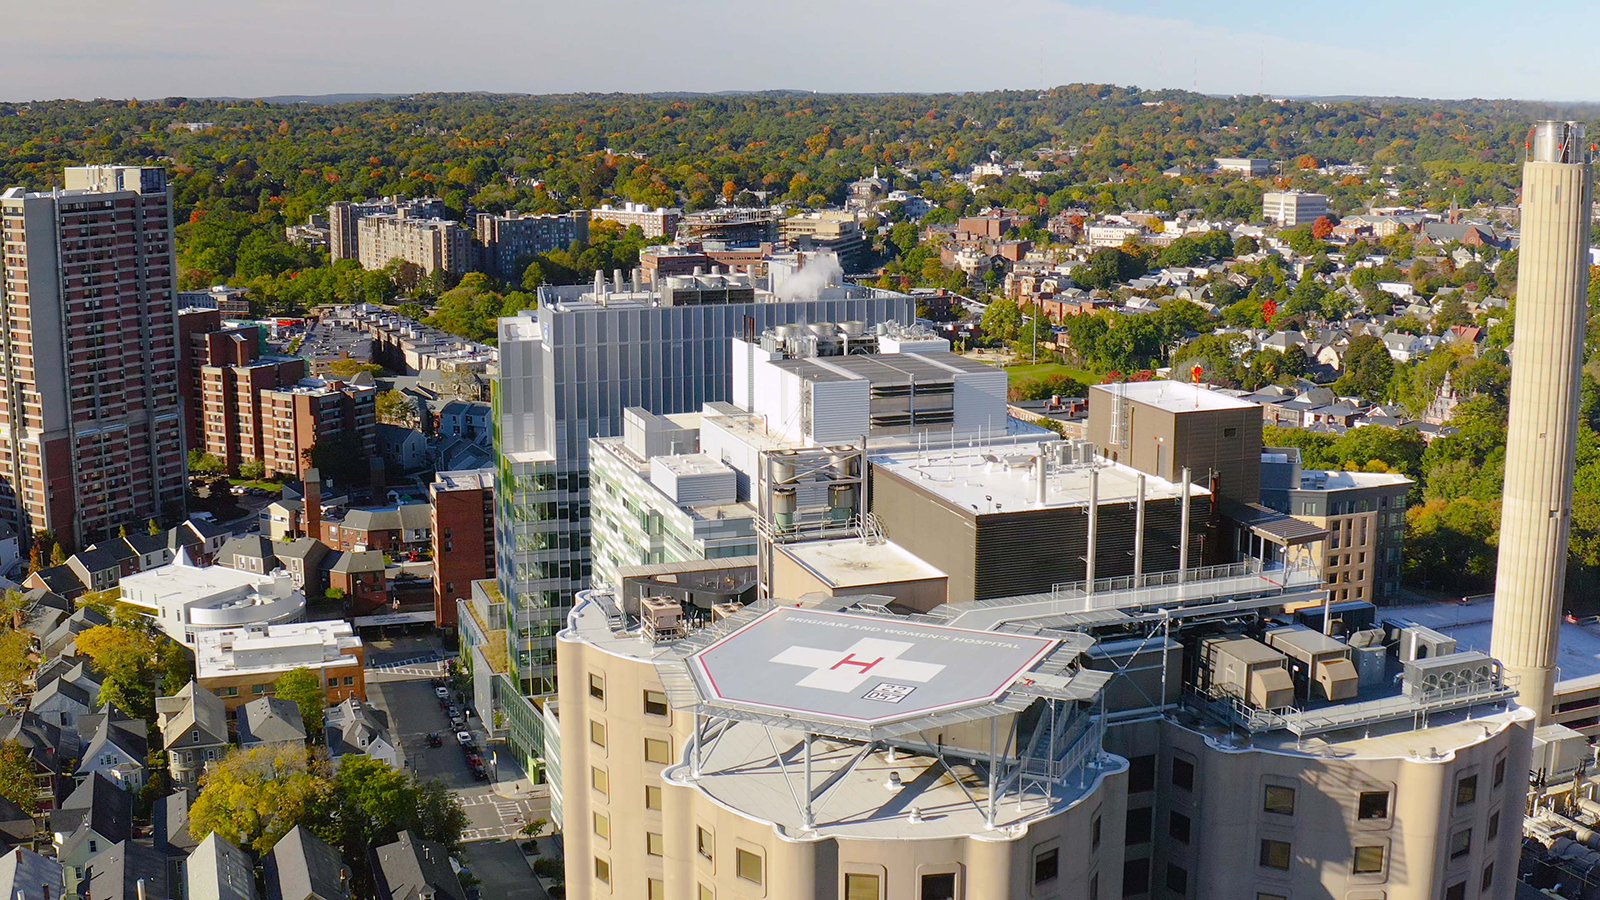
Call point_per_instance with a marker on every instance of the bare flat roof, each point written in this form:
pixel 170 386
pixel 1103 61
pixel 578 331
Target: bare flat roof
pixel 850 562
pixel 860 669
pixel 1578 648
pixel 1174 396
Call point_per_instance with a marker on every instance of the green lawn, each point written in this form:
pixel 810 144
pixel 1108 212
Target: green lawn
pixel 1044 370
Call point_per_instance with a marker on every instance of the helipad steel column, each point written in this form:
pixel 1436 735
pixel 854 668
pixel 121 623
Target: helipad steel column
pixel 1547 353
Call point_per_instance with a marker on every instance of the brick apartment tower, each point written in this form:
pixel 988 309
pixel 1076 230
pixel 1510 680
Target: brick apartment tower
pixel 91 427
pixel 463 537
pixel 221 375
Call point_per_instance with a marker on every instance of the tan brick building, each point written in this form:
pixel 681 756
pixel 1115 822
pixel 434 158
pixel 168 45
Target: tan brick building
pixel 241 665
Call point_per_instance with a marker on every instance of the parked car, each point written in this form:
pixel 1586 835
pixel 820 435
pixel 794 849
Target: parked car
pixel 464 738
pixel 458 723
pixel 442 692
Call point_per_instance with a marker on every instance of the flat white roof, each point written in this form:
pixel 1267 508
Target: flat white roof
pixel 1000 478
pixel 1577 654
pixel 850 562
pixel 860 669
pixel 1174 396
pixel 195 583
pixel 1339 480
pixel 315 645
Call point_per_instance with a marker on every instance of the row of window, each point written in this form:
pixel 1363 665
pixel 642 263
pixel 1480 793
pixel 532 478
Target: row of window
pixel 655 702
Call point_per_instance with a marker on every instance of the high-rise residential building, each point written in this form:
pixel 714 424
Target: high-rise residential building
pixel 506 242
pixel 462 505
pixel 828 231
pixel 568 370
pixel 91 424
pixel 1240 165
pixel 1364 514
pixel 1291 208
pixel 1542 430
pixel 433 245
pixel 221 374
pixel 344 217
pixel 658 222
pixel 297 418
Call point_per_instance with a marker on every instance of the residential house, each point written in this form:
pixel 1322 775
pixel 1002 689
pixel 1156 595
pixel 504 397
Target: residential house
pixel 26 875
pixel 302 559
pixel 115 751
pixel 466 419
pixel 403 449
pixel 60 702
pixel 270 722
pixel 58 642
pixel 201 539
pixel 357 727
pixel 217 870
pixel 248 553
pixel 194 731
pixel 40 613
pixel 169 822
pixel 415 869
pixel 16 826
pixel 98 568
pixel 57 579
pixel 363 577
pixel 127 871
pixel 391 529
pixel 303 866
pixel 75 669
pixel 50 747
pixel 93 818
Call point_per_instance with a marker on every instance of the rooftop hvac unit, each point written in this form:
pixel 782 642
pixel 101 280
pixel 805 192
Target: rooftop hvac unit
pixel 1459 673
pixel 722 611
pixel 1418 642
pixel 662 618
pixel 1558 752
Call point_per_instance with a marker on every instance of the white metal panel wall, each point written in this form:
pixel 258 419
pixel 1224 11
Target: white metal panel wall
pixel 840 411
pixel 980 400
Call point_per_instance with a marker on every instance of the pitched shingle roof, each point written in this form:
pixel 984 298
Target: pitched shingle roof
pixel 415 869
pixel 302 866
pixel 269 720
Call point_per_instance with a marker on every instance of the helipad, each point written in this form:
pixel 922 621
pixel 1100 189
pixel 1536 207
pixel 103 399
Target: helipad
pixel 860 669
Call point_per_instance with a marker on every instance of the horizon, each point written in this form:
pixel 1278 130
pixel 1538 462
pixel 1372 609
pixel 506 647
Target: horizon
pixel 299 49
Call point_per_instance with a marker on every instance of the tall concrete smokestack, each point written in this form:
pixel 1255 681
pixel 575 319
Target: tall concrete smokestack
pixel 1541 440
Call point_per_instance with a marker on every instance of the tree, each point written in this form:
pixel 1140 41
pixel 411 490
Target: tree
pixel 1367 369
pixel 303 687
pixel 58 555
pixel 341 458
pixel 136 662
pixel 1001 320
pixel 350 368
pixel 373 803
pixel 396 408
pixel 252 468
pixel 16 661
pixel 254 797
pixel 1321 228
pixel 1106 267
pixel 202 463
pixel 1246 245
pixel 17 783
pixel 152 527
pixel 532 276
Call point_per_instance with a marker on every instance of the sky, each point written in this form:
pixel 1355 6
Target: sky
pixel 85 49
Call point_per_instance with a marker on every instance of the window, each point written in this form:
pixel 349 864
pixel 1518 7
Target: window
pixel 600 779
pixel 257 689
pixel 1488 878
pixel 602 871
pixel 1135 877
pixel 1373 805
pixel 597 733
pixel 597 686
pixel 1461 843
pixel 1094 833
pixel 1178 827
pixel 747 865
pixel 1275 854
pixel 349 680
pixel 1499 771
pixel 858 886
pixel 333 682
pixel 1279 800
pixel 707 893
pixel 1046 866
pixel 655 703
pixel 1457 891
pixel 1141 774
pixel 1177 880
pixel 1368 860
pixel 1183 774
pixel 652 797
pixel 938 887
pixel 703 843
pixel 1271 897
pixel 657 751
pixel 655 889
pixel 602 825
pixel 1138 830
pixel 654 844
pixel 1494 826
pixel 1466 790
pixel 1094 887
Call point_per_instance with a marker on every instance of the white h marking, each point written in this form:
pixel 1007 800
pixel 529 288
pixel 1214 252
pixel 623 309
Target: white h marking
pixel 867 658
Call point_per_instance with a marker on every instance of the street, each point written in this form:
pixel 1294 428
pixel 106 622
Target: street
pixel 398 683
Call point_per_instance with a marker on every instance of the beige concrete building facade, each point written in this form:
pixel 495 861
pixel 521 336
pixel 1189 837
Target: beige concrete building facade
pixel 431 244
pixel 668 792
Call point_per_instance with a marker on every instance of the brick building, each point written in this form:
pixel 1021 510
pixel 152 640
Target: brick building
pixel 463 537
pixel 221 374
pixel 92 436
pixel 295 419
